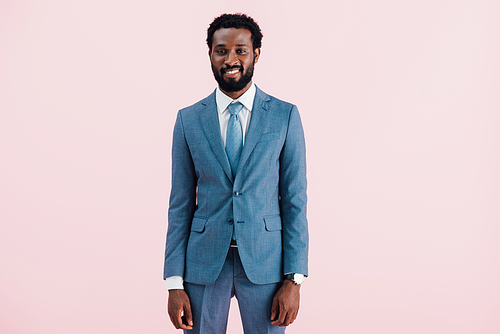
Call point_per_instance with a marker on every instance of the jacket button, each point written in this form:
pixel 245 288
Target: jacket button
pixel 230 221
pixel 236 193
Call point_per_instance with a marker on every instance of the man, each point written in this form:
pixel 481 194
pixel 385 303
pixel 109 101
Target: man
pixel 237 217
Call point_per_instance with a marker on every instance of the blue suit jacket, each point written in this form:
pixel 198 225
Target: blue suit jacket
pixel 265 204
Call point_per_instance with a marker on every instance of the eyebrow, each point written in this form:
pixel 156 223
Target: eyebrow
pixel 223 45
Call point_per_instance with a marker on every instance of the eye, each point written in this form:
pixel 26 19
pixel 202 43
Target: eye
pixel 241 51
pixel 220 51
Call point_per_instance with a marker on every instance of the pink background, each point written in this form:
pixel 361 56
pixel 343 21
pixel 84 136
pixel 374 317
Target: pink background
pixel 400 102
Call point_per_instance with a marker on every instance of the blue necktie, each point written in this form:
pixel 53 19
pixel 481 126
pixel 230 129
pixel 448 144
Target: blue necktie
pixel 234 137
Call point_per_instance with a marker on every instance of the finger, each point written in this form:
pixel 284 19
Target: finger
pixel 182 325
pixel 173 314
pixel 276 321
pixel 173 321
pixel 274 309
pixel 289 319
pixel 282 316
pixel 188 314
pixel 185 327
pixel 294 317
pixel 178 320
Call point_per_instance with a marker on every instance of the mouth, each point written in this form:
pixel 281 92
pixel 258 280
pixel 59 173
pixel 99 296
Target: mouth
pixel 232 72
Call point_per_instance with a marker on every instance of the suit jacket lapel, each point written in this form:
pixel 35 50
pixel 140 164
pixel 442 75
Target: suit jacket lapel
pixel 211 127
pixel 258 121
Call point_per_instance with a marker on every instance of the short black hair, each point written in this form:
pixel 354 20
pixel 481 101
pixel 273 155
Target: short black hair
pixel 238 21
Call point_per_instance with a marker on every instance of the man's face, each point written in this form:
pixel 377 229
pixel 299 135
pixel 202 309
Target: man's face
pixel 233 58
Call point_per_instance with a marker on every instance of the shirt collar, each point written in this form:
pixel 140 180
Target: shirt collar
pixel 246 99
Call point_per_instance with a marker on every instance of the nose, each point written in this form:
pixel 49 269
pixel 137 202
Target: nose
pixel 231 59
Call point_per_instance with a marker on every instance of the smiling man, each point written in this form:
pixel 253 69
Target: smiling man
pixel 237 221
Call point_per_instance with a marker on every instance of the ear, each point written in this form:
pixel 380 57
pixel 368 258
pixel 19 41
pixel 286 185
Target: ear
pixel 256 55
pixel 209 53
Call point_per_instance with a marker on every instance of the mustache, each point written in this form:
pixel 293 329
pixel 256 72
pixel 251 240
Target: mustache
pixel 225 69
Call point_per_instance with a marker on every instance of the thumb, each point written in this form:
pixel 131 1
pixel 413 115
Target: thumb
pixel 188 314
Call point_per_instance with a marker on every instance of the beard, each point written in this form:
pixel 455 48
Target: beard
pixel 233 85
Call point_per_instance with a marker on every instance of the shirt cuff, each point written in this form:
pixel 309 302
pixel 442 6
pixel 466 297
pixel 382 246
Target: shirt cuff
pixel 174 282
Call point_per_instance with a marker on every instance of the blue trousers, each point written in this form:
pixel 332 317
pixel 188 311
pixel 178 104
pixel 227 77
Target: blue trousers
pixel 210 303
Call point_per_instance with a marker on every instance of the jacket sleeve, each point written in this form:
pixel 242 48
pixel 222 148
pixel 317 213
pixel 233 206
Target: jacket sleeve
pixel 182 203
pixel 292 187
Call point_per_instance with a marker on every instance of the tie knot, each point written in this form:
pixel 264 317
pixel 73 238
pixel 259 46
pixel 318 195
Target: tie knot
pixel 234 108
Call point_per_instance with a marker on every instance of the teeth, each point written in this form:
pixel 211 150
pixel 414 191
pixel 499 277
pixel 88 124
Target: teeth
pixel 232 71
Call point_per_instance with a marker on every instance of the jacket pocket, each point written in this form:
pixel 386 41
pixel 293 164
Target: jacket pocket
pixel 198 224
pixel 273 223
pixel 269 136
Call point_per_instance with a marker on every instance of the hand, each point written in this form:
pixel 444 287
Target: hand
pixel 178 301
pixel 285 304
